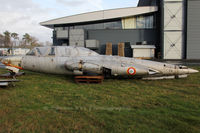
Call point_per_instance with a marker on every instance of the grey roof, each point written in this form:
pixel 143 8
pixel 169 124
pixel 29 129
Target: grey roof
pixel 101 15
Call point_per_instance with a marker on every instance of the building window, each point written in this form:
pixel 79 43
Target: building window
pixel 144 22
pixel 106 25
pixel 113 25
pixel 59 28
pixel 149 22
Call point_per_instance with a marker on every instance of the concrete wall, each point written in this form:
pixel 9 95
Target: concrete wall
pixel 193 29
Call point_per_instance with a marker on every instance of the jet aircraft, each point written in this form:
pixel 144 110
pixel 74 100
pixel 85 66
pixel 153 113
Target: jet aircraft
pixel 71 60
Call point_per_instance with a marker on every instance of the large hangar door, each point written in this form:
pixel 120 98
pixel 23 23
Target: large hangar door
pixel 173 45
pixel 173 29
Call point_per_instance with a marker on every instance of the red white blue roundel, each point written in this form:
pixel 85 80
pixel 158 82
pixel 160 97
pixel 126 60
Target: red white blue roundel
pixel 131 71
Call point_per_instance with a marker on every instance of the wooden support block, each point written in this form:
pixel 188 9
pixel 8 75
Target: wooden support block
pixel 121 49
pixel 108 48
pixel 89 79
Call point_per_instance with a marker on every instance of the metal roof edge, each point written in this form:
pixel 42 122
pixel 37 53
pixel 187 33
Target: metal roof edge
pixel 50 22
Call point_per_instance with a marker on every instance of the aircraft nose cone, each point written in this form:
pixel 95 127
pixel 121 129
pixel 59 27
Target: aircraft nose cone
pixel 192 70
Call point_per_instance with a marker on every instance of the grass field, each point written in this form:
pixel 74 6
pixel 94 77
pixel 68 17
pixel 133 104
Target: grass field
pixel 54 103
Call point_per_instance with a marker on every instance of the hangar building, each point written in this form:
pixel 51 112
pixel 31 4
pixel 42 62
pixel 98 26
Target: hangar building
pixel 172 26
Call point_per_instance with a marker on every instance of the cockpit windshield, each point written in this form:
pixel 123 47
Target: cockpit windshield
pixel 32 52
pixel 61 51
pixel 52 51
pixel 41 51
pixel 71 51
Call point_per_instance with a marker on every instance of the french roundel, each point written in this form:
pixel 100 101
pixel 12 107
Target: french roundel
pixel 131 71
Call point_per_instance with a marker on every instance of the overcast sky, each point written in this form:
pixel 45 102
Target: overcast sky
pixel 24 16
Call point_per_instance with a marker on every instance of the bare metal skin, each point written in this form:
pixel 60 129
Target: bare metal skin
pixel 81 61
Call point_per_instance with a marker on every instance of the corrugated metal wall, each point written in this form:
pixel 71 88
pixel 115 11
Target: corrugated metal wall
pixel 116 36
pixel 129 37
pixel 193 29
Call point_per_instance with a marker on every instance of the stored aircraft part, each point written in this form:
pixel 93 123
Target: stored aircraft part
pixel 9 80
pixel 12 69
pixel 9 75
pixel 4 83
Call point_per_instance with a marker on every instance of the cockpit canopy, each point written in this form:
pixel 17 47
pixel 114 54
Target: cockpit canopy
pixel 61 51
